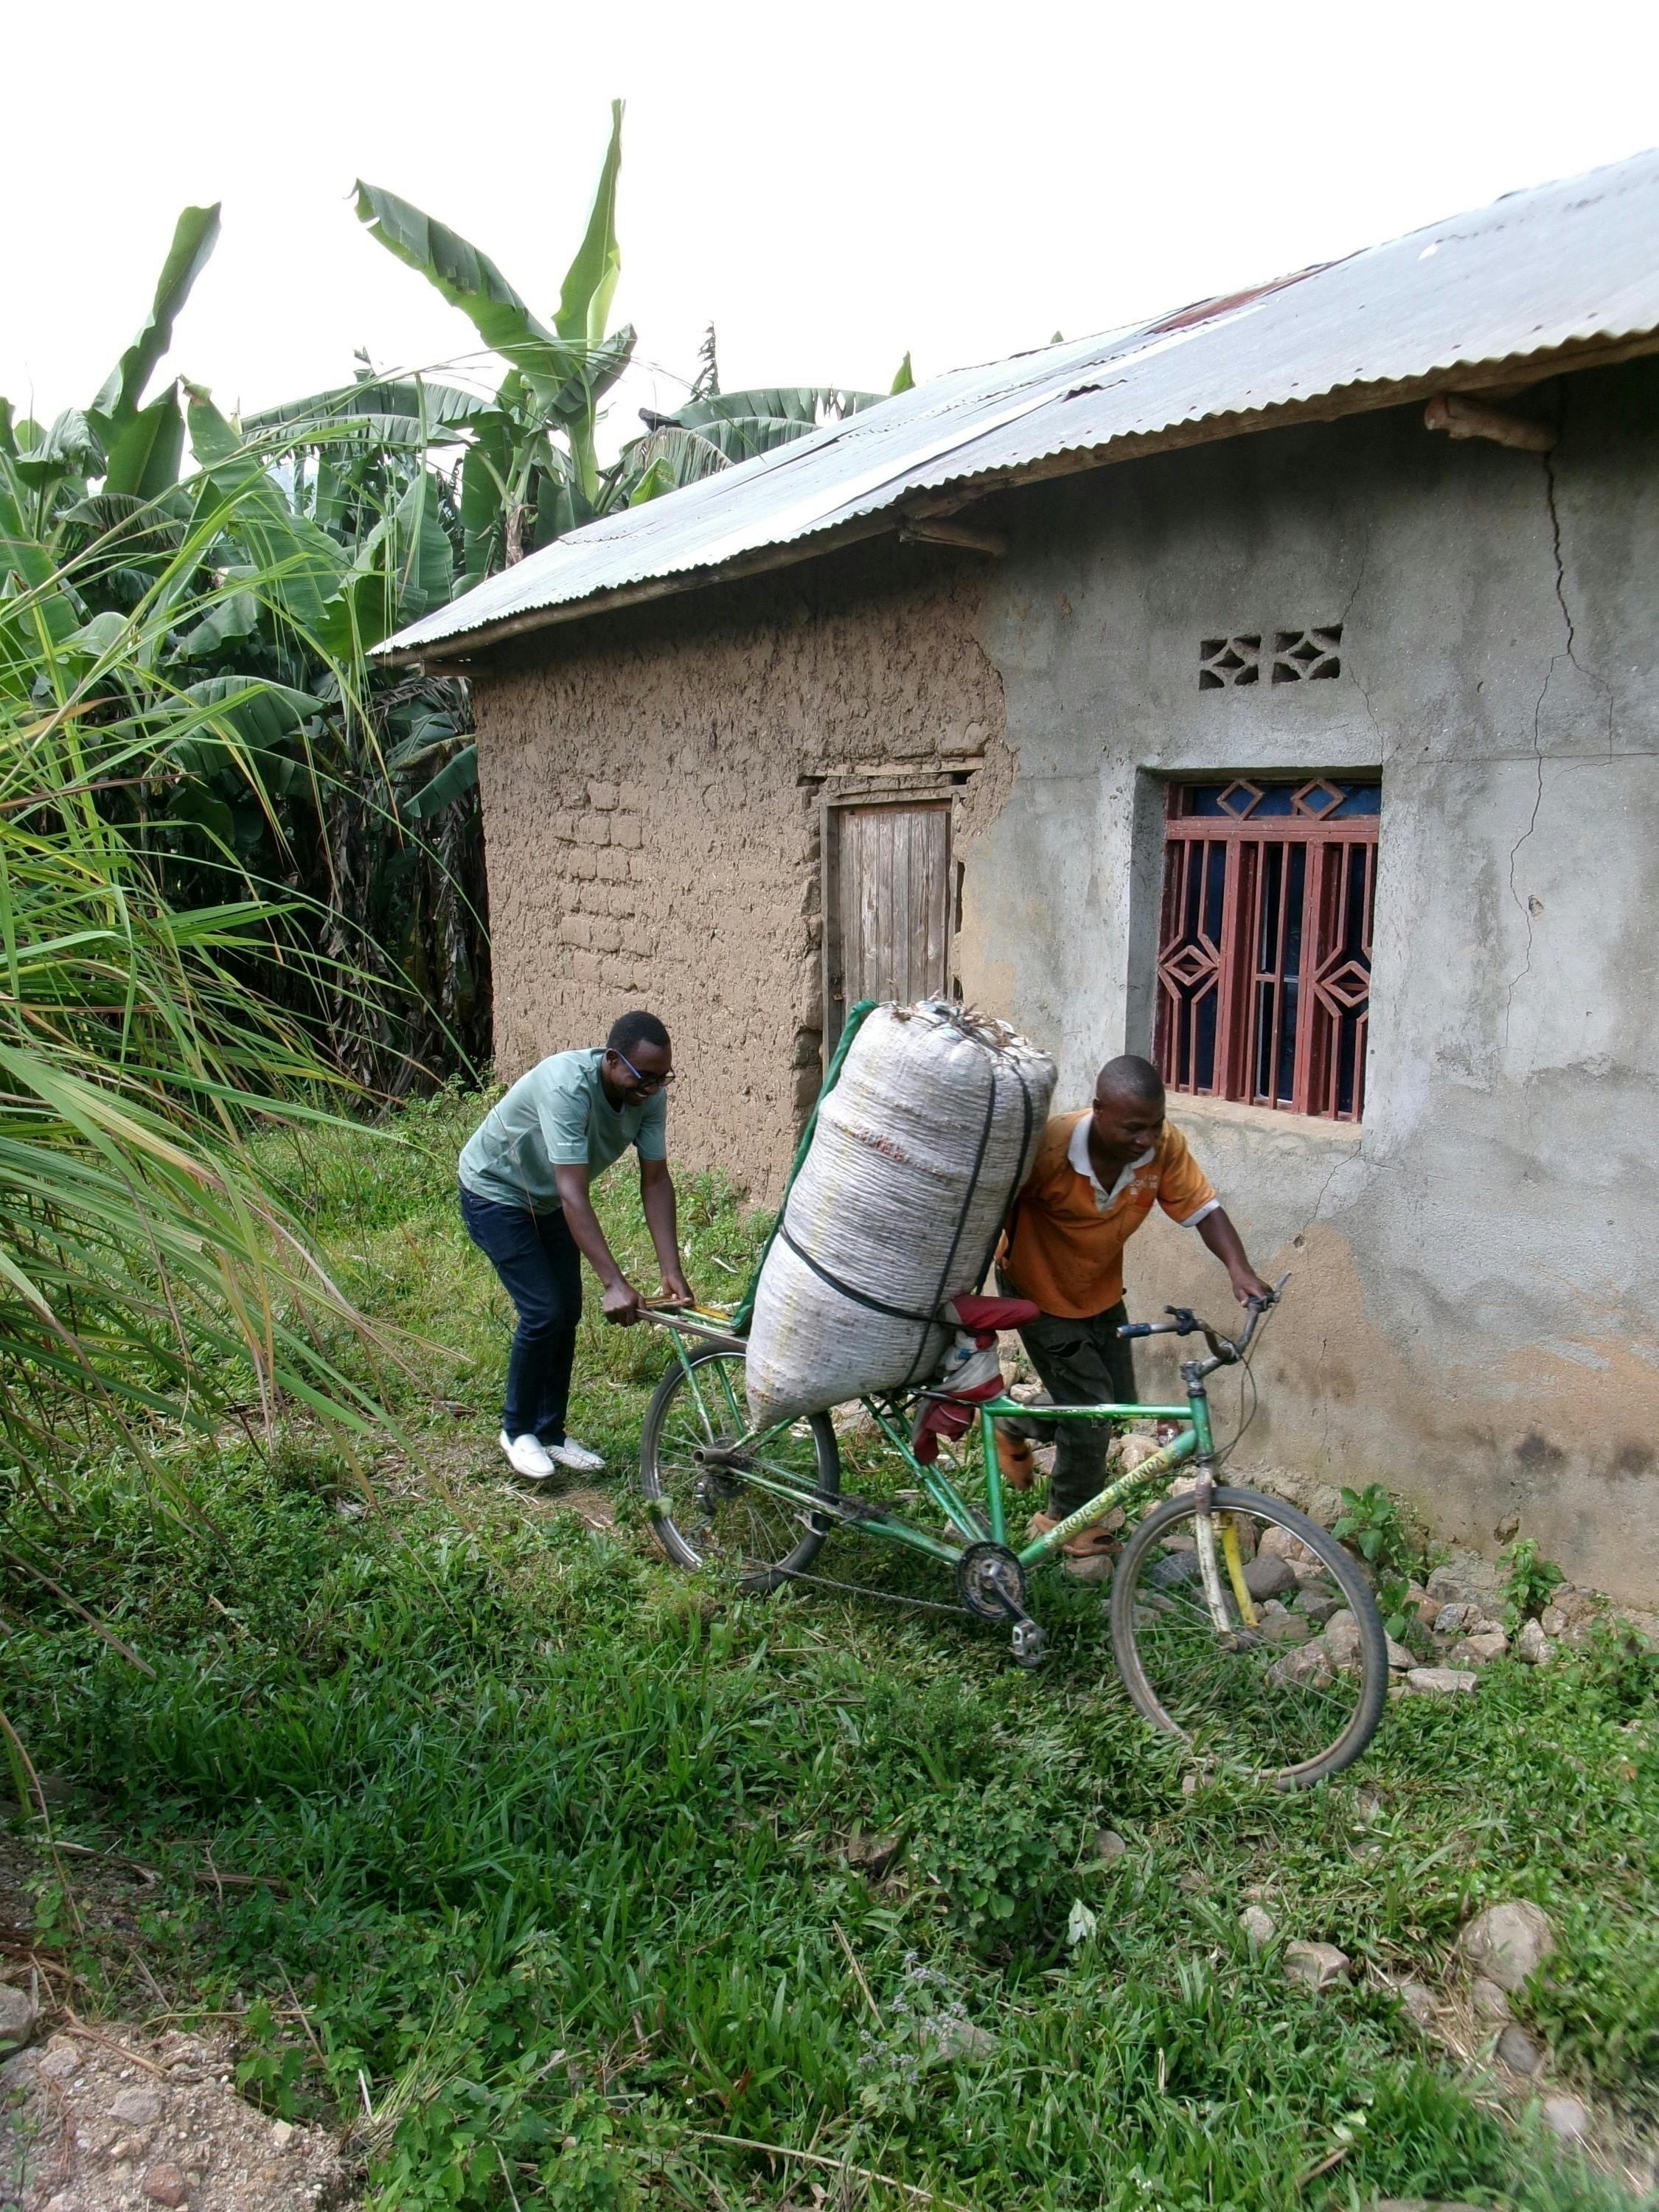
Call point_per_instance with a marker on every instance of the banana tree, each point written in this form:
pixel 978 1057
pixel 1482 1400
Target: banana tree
pixel 716 429
pixel 531 469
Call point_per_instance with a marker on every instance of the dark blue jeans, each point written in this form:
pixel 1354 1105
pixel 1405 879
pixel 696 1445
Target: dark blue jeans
pixel 537 1259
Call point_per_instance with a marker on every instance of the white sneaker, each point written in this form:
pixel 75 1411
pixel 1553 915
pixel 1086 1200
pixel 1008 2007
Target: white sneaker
pixel 526 1455
pixel 577 1457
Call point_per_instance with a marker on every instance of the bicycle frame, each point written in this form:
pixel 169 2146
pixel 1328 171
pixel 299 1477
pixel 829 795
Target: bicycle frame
pixel 724 1327
pixel 972 1526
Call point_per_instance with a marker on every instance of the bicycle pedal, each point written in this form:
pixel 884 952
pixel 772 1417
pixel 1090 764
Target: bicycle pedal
pixel 1030 1644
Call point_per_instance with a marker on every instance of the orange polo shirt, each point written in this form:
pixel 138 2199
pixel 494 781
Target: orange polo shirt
pixel 1064 1246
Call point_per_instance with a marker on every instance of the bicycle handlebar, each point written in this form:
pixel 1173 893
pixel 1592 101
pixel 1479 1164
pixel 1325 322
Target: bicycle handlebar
pixel 1183 1322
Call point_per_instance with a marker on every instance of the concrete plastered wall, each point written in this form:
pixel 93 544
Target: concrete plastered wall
pixel 652 787
pixel 1473 1315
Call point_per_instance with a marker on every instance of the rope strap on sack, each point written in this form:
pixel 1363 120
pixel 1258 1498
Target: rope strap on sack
pixel 926 1322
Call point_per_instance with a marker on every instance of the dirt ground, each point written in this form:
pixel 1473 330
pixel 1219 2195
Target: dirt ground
pixel 107 2120
pixel 111 2118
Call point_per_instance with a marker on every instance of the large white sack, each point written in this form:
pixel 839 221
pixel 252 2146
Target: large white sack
pixel 918 1153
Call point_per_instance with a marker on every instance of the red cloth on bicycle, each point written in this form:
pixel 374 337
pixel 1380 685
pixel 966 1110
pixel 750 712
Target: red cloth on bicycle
pixel 948 1417
pixel 981 1316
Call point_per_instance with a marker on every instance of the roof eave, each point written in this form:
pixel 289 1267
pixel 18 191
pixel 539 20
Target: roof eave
pixel 1333 405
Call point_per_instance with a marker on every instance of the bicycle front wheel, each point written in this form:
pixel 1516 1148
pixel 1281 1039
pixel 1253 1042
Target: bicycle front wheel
pixel 1278 1698
pixel 713 1516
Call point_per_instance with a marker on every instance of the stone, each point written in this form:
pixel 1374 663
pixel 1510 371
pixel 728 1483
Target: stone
pixel 17 2017
pixel 1531 1647
pixel 60 2058
pixel 1553 1622
pixel 1468 1580
pixel 1400 1661
pixel 872 1854
pixel 1517 2051
pixel 1487 2000
pixel 1480 1650
pixel 1109 1845
pixel 1258 1926
pixel 1453 1619
pixel 1280 1544
pixel 1325 1505
pixel 1417 2002
pixel 1269 1575
pixel 283 2133
pixel 945 2036
pixel 1342 1639
pixel 1439 1681
pixel 1509 1942
pixel 1320 1965
pixel 1320 1603
pixel 135 2108
pixel 1567 2118
pixel 166 2184
pixel 1304 1667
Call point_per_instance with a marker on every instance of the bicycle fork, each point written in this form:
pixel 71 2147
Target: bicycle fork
pixel 1218 1550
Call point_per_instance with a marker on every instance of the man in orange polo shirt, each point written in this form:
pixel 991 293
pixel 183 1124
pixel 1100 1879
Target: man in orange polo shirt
pixel 1095 1176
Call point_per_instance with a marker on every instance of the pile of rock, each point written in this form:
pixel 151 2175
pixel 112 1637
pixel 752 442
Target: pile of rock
pixel 1457 1609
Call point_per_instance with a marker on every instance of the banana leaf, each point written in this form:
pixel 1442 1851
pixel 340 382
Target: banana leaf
pixel 194 238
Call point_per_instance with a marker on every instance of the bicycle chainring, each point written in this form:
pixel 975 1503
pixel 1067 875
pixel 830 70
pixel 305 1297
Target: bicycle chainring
pixel 991 1582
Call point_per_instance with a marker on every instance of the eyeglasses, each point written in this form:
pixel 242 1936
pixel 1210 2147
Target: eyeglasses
pixel 645 1082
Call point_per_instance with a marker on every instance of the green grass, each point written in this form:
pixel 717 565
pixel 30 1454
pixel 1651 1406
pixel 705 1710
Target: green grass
pixel 566 1850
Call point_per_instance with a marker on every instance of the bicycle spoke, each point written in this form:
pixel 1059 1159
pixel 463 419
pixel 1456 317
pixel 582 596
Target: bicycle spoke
pixel 1230 1692
pixel 722 1518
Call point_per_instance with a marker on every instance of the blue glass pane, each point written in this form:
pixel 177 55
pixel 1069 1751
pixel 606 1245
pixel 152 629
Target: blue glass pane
pixel 1277 800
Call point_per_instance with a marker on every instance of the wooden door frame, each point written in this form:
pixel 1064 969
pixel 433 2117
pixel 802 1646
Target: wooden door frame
pixel 926 791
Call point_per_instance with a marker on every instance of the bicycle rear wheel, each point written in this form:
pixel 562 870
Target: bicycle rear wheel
pixel 711 1515
pixel 1277 1699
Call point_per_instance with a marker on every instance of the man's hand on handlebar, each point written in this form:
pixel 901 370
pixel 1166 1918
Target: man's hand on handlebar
pixel 1183 1322
pixel 1247 1286
pixel 620 1303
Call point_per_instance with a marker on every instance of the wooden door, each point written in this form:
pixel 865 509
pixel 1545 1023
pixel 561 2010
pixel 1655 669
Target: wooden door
pixel 887 902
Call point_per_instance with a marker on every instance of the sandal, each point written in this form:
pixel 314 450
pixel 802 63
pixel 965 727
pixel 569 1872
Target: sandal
pixel 1088 1555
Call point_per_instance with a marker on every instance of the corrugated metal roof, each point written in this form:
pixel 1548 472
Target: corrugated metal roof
pixel 1570 264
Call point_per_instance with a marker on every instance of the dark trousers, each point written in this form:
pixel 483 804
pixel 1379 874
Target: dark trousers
pixel 537 1259
pixel 1081 1363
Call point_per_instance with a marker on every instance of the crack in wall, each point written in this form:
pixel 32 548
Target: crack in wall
pixel 1524 907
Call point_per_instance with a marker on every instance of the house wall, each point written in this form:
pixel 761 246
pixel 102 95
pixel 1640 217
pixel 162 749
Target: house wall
pixel 1474 1312
pixel 652 786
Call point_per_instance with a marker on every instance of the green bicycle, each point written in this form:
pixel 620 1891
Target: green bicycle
pixel 1206 1646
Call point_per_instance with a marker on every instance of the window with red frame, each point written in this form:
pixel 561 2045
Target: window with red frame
pixel 1264 956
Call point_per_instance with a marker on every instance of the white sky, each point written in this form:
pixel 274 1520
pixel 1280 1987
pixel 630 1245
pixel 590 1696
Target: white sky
pixel 830 186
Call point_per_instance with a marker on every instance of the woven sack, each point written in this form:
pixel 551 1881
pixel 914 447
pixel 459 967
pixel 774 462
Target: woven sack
pixel 917 1155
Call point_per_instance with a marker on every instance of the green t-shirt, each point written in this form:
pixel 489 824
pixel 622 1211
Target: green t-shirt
pixel 557 1115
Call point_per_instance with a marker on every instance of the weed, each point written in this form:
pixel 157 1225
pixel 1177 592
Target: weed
pixel 1531 1585
pixel 1372 1522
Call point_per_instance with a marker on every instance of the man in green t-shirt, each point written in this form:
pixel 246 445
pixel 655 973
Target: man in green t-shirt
pixel 525 1173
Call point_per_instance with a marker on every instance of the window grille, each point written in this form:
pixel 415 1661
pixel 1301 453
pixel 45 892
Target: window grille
pixel 1264 956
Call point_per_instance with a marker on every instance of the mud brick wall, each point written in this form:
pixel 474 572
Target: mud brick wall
pixel 652 788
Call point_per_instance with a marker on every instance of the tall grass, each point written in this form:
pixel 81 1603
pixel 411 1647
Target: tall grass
pixel 147 1273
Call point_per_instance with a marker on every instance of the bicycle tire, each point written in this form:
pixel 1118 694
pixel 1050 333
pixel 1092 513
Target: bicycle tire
pixel 751 1520
pixel 1146 1551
